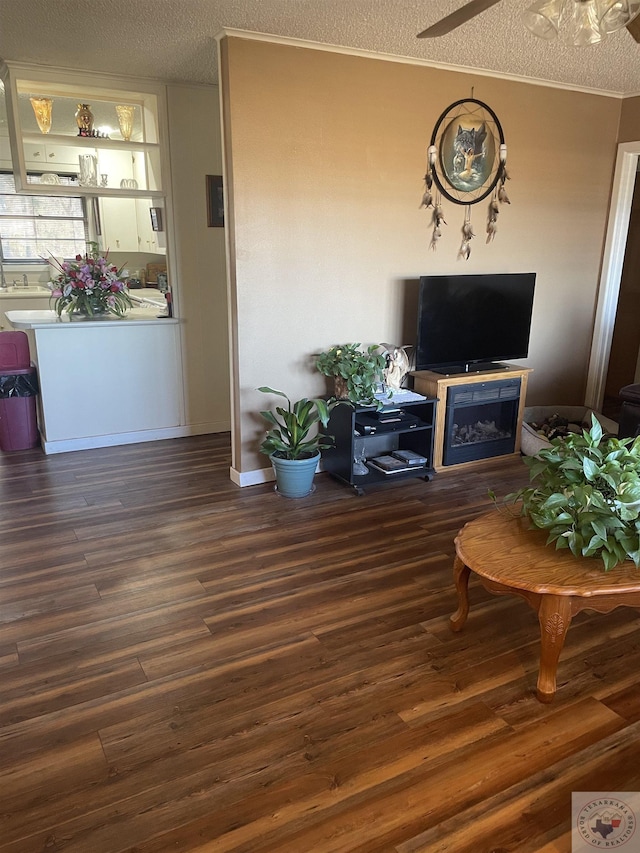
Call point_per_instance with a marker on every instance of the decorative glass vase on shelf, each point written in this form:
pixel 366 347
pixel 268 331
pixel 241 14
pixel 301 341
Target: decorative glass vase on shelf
pixel 88 175
pixel 84 120
pixel 125 120
pixel 42 108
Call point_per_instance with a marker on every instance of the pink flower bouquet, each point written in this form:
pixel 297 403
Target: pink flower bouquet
pixel 90 285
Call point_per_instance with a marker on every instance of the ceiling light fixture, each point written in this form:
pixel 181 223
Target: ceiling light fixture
pixel 586 21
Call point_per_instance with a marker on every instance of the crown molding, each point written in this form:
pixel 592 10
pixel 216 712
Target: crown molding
pixel 408 60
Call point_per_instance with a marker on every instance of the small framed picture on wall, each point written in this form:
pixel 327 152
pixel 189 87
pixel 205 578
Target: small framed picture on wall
pixel 215 201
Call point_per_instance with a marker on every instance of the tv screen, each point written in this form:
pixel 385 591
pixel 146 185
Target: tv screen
pixel 466 320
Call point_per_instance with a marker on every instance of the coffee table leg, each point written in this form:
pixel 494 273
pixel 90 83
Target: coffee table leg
pixel 554 616
pixel 461 580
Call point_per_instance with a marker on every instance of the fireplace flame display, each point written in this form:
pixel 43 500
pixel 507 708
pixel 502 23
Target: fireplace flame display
pixel 477 432
pixel 481 420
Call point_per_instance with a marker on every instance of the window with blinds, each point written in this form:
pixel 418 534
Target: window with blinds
pixel 33 227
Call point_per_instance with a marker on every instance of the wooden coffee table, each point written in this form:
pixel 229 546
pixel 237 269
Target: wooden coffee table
pixel 509 558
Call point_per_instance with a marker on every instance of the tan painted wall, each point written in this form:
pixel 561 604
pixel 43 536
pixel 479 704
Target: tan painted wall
pixel 630 120
pixel 327 154
pixel 201 292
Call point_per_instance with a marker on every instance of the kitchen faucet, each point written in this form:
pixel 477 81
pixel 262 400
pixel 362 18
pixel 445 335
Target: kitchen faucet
pixel 3 278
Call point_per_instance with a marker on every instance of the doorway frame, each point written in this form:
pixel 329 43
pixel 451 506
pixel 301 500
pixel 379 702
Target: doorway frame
pixel 612 263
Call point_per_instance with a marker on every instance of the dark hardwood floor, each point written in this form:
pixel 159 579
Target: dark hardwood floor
pixel 190 666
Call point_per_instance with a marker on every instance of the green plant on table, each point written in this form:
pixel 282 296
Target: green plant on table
pixel 289 436
pixel 359 369
pixel 585 491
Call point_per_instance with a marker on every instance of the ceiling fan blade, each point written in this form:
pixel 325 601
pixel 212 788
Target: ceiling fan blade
pixel 634 28
pixel 457 18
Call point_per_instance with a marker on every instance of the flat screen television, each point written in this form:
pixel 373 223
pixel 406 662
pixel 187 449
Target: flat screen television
pixel 469 322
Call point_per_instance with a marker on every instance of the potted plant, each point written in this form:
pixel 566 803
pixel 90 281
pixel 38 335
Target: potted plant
pixel 356 372
pixel 585 491
pixel 294 453
pixel 89 285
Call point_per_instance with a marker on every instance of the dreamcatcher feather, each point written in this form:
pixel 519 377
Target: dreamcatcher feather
pixel 467 235
pixel 438 222
pixel 499 197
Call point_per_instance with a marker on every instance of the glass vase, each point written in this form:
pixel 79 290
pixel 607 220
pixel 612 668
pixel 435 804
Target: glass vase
pixel 98 311
pixel 42 108
pixel 88 175
pixel 125 120
pixel 84 120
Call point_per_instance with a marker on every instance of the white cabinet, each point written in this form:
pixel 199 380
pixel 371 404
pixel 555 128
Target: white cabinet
pixel 119 227
pixel 125 226
pixel 140 403
pixel 44 157
pixel 148 239
pixel 103 138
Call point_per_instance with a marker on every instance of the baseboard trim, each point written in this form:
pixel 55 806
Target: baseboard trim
pixel 251 478
pixel 258 475
pixel 93 442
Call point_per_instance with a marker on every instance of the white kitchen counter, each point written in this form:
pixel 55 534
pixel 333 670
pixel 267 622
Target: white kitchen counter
pixel 47 318
pixel 15 298
pixel 105 382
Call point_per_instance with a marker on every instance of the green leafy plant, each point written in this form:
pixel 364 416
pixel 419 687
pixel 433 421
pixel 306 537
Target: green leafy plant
pixel 360 371
pixel 289 436
pixel 585 491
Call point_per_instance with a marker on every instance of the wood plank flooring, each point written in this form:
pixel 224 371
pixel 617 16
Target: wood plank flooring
pixel 192 667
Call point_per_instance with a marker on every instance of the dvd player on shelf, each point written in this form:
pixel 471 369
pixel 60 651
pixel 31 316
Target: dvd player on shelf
pixel 390 464
pixel 367 423
pixel 410 457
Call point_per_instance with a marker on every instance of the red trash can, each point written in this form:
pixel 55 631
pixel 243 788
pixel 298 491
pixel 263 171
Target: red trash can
pixel 14 351
pixel 18 391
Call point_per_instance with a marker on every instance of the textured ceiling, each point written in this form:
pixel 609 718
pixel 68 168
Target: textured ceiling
pixel 174 40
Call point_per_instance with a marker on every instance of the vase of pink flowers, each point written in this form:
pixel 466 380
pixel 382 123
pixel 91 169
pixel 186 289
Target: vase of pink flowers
pixel 90 286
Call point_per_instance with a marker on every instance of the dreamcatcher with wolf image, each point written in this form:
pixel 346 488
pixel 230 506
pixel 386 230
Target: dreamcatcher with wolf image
pixel 466 163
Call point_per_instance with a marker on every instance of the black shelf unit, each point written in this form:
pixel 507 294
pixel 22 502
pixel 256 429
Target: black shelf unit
pixel 354 435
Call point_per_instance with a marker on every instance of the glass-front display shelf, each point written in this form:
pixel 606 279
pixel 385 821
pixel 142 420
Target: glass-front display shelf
pixel 78 138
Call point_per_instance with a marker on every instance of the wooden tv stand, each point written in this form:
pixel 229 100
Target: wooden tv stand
pixel 440 385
